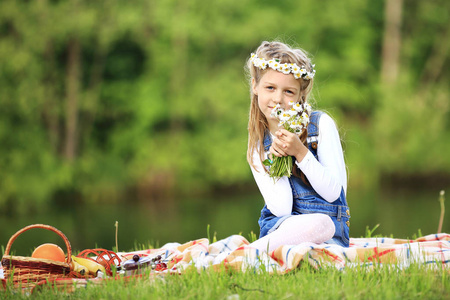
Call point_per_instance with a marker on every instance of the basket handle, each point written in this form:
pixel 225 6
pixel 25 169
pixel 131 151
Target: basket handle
pixel 48 227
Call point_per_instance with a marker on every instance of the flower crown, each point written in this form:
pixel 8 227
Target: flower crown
pixel 285 68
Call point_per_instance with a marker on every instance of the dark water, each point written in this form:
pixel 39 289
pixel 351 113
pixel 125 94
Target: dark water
pixel 400 213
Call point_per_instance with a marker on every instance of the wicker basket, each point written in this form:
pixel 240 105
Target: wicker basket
pixel 27 271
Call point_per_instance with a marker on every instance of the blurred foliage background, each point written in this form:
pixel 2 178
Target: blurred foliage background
pixel 107 101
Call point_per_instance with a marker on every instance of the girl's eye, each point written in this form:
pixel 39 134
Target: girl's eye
pixel 270 87
pixel 290 92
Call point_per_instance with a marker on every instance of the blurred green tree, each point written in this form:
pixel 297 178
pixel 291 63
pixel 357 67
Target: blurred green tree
pixel 101 100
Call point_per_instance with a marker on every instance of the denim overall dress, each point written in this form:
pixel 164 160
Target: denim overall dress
pixel 306 200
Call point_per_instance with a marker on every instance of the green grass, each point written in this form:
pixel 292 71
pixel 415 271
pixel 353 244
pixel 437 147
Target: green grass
pixel 415 282
pixel 377 282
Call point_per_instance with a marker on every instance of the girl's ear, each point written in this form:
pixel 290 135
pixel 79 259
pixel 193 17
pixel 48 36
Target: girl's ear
pixel 254 86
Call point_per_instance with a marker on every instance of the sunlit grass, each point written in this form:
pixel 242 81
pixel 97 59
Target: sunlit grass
pixel 379 282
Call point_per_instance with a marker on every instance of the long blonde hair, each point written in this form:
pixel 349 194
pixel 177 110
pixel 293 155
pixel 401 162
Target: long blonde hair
pixel 257 122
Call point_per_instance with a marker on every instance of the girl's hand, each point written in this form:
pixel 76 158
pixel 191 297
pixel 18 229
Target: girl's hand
pixel 287 143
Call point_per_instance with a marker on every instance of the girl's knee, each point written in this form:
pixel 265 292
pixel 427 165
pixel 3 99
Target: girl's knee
pixel 326 220
pixel 328 226
pixel 324 224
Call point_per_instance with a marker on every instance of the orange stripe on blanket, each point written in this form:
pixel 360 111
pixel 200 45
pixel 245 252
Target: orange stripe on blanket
pixel 333 256
pixel 202 242
pixel 434 237
pixel 386 256
pixel 277 255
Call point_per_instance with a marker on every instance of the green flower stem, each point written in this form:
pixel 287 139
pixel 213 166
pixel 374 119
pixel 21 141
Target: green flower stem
pixel 281 166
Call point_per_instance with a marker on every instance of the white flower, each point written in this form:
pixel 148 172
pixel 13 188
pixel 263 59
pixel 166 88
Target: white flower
pixel 297 127
pixel 273 113
pixel 310 75
pixel 280 68
pixel 295 68
pixel 297 75
pixel 258 62
pixel 296 71
pixel 307 107
pixel 285 69
pixel 263 65
pixel 276 111
pixel 297 106
pixel 284 117
pixel 305 118
pixel 294 125
pixel 292 112
pixel 274 64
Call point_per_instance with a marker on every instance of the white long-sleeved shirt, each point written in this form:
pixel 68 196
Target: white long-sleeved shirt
pixel 327 175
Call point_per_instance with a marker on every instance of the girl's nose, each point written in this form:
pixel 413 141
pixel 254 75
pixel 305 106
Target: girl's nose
pixel 277 98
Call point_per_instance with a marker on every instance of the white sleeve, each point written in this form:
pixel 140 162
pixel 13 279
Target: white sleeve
pixel 328 174
pixel 277 194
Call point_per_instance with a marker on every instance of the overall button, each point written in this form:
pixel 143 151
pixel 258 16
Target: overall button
pixel 348 212
pixel 348 223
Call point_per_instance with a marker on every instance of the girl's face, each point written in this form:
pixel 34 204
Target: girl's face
pixel 275 88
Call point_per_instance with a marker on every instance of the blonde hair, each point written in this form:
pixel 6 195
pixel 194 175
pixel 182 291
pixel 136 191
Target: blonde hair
pixel 257 122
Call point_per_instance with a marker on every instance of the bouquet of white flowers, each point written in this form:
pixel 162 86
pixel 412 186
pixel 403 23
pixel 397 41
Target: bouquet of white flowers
pixel 294 120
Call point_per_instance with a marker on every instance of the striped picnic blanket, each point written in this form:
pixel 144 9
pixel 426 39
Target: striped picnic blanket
pixel 234 253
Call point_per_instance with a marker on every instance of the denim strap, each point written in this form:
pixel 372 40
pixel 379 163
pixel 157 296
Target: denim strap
pixel 267 140
pixel 313 126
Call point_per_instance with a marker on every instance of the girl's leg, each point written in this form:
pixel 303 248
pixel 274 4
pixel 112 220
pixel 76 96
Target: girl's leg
pixel 313 228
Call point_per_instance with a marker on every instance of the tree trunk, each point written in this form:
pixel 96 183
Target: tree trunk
pixel 50 78
pixel 436 61
pixel 180 52
pixel 390 62
pixel 72 88
pixel 50 109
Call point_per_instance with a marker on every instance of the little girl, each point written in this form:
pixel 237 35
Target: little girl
pixel 309 206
